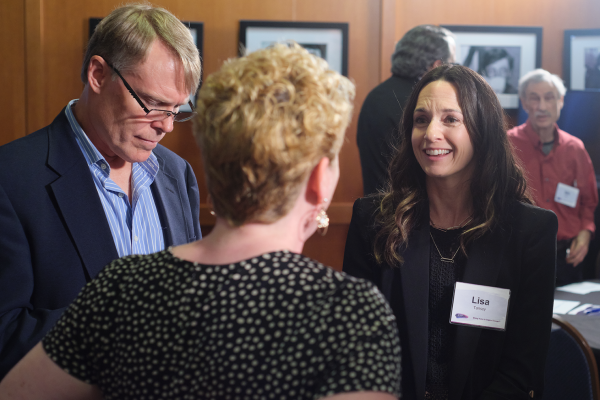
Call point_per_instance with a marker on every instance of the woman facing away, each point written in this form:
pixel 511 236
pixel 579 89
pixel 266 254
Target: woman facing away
pixel 457 213
pixel 240 314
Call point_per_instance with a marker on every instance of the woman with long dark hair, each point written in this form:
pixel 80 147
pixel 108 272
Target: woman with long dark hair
pixel 456 214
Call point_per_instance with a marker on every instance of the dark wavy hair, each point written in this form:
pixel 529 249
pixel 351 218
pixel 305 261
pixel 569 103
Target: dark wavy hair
pixel 498 178
pixel 419 48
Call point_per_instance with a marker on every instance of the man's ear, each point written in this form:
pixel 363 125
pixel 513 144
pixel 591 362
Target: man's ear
pixel 98 73
pixel 319 182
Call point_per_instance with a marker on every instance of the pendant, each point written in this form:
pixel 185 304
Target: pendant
pixel 448 260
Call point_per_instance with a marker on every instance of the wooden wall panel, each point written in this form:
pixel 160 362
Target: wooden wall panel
pixel 12 72
pixel 36 78
pixel 388 37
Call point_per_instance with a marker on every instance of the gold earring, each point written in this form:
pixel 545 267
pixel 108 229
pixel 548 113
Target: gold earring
pixel 322 222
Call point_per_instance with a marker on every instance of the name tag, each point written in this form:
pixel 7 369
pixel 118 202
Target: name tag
pixel 566 195
pixel 479 306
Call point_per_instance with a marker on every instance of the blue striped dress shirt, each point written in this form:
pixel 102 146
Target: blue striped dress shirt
pixel 135 225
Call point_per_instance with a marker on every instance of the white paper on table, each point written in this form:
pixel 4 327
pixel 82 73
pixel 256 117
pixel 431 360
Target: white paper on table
pixel 580 308
pixel 580 287
pixel 563 306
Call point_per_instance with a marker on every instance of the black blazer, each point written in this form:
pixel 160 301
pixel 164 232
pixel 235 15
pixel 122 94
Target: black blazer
pixel 54 236
pixel 518 255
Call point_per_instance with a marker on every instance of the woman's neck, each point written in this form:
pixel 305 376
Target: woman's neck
pixel 450 205
pixel 227 244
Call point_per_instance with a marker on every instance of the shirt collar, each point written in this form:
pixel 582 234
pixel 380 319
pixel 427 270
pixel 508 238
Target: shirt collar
pixel 91 153
pixel 535 138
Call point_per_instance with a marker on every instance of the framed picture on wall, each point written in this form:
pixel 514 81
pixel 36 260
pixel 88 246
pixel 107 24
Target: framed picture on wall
pixel 197 31
pixel 581 61
pixel 501 54
pixel 328 40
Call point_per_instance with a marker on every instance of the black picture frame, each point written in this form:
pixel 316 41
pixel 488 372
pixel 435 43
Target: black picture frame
pixel 328 40
pixel 578 72
pixel 197 30
pixel 518 47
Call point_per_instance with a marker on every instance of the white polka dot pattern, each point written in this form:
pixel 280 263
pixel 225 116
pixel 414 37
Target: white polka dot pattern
pixel 277 326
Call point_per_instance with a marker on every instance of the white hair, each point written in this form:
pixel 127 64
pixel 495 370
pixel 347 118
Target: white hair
pixel 541 75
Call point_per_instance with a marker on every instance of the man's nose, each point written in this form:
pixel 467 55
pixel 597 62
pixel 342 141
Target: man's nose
pixel 166 125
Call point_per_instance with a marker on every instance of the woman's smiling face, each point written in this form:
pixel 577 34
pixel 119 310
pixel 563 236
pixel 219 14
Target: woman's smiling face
pixel 439 138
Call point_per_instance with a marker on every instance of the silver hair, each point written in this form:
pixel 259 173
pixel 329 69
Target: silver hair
pixel 541 75
pixel 419 48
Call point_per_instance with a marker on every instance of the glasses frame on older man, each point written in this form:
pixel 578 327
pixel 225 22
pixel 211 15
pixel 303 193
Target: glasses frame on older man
pixel 157 114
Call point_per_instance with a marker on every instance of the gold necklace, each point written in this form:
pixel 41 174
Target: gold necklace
pixel 466 221
pixel 442 258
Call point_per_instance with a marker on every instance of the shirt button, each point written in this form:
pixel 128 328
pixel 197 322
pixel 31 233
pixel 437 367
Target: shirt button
pixel 546 179
pixel 135 238
pixel 103 166
pixel 547 200
pixel 120 194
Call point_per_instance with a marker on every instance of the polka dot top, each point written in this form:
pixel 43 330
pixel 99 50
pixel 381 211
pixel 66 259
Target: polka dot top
pixel 278 326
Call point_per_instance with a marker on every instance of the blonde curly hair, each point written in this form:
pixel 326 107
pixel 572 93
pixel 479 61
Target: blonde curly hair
pixel 264 122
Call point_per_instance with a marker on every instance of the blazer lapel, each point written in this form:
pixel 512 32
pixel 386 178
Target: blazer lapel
pixel 170 207
pixel 414 276
pixel 486 257
pixel 77 199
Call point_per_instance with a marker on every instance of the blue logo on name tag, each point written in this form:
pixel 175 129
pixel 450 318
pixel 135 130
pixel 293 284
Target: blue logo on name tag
pixel 461 316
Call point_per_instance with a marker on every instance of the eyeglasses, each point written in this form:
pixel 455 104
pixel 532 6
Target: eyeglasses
pixel 155 114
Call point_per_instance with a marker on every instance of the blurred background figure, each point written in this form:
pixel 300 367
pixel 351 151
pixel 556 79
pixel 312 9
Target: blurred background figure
pixel 240 314
pixel 559 170
pixel 422 48
pixel 458 211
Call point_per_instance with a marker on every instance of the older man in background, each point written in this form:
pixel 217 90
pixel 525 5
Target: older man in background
pixel 95 184
pixel 559 170
pixel 422 48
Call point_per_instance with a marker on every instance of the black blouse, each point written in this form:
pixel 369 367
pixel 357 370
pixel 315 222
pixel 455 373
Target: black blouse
pixel 442 277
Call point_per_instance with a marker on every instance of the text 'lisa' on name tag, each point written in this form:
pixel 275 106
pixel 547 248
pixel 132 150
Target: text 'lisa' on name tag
pixel 566 195
pixel 479 306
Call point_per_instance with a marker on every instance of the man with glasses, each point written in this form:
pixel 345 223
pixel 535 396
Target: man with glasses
pixel 558 169
pixel 95 184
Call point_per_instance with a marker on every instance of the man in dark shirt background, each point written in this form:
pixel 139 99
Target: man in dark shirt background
pixel 422 48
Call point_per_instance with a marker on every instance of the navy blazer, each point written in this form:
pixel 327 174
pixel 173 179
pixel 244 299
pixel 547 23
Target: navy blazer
pixel 54 236
pixel 519 255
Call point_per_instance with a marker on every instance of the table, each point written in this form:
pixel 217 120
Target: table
pixel 588 325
